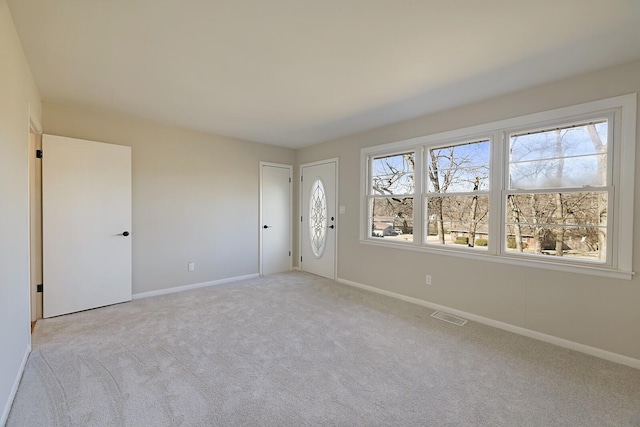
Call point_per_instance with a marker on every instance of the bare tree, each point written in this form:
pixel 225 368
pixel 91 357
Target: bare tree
pixel 473 224
pixel 601 149
pixel 394 178
pixel 457 169
pixel 439 187
pixel 559 212
pixel 516 216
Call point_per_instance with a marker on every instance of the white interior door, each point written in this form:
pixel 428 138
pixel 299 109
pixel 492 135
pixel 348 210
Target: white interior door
pixel 86 221
pixel 319 221
pixel 275 212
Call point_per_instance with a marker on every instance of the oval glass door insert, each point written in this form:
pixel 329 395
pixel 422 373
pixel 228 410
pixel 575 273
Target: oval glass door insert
pixel 317 218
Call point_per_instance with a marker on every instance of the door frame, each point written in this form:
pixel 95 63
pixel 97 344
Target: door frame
pixel 34 141
pixel 261 211
pixel 334 160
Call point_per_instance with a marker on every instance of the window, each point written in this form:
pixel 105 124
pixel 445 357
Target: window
pixel 457 197
pixel 552 189
pixel 391 193
pixel 559 191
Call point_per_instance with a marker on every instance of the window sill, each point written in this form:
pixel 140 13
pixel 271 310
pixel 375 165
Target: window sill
pixel 587 269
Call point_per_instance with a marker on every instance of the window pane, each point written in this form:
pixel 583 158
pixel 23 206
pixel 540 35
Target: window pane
pixel 565 157
pixel 560 173
pixel 459 220
pixel 586 243
pixel 537 223
pixel 392 218
pixel 393 174
pixel 459 168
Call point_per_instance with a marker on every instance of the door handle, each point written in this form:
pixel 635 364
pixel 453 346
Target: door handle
pixel 332 226
pixel 124 233
pixel 267 226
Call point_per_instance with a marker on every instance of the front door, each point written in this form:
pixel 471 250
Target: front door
pixel 275 213
pixel 319 222
pixel 86 224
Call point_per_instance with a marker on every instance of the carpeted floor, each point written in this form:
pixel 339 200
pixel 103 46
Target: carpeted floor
pixel 293 350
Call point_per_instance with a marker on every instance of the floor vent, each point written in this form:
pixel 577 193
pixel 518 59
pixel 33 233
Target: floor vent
pixel 449 318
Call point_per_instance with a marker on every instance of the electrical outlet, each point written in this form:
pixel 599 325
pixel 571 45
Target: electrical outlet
pixel 192 266
pixel 428 279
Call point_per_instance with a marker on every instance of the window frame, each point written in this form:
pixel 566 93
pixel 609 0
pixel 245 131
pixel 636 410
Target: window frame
pixel 613 119
pixel 369 195
pixel 426 193
pixel 621 111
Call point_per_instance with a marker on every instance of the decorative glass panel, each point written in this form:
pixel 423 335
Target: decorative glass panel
pixel 317 218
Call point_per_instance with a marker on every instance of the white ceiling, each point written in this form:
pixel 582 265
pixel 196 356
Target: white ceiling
pixel 298 72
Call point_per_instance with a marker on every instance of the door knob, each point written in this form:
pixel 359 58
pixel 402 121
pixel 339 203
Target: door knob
pixel 125 233
pixel 267 226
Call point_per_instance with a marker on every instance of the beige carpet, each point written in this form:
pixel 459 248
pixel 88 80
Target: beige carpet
pixel 294 350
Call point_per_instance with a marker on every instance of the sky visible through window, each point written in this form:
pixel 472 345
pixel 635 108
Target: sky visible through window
pixel 560 158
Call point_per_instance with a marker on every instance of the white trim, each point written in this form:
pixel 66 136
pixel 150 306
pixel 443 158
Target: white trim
pixel 626 170
pixel 34 123
pixel 260 229
pixel 515 259
pixel 193 286
pixel 561 342
pixel 16 383
pixel 334 160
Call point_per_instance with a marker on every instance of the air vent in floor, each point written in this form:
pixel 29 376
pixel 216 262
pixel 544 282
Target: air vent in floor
pixel 449 318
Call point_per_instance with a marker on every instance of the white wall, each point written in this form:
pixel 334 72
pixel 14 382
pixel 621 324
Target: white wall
pixel 18 95
pixel 592 311
pixel 195 195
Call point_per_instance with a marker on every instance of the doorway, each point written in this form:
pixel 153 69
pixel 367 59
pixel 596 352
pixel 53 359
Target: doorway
pixel 275 218
pixel 319 222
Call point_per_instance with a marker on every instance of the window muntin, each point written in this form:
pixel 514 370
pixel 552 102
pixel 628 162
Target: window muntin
pixel 457 198
pixel 391 197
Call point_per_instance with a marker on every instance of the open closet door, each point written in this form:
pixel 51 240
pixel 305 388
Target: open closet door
pixel 86 224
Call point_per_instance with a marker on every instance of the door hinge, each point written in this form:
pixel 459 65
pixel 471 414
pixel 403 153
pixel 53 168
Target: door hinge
pixel 300 218
pixel 38 154
pixel 300 259
pixel 301 178
pixel 289 253
pixel 289 180
pixel 39 287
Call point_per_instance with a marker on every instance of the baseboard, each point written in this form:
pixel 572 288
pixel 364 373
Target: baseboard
pixel 14 389
pixel 193 286
pixel 561 342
